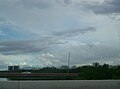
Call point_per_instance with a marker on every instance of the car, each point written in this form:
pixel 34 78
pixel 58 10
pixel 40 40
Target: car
pixel 26 73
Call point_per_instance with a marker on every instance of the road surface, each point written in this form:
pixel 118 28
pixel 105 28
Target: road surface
pixel 61 84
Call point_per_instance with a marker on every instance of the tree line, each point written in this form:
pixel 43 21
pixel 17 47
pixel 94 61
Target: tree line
pixel 87 72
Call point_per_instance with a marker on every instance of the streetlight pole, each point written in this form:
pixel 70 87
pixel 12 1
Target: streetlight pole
pixel 68 63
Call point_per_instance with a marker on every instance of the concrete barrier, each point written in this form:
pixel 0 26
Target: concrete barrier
pixel 61 84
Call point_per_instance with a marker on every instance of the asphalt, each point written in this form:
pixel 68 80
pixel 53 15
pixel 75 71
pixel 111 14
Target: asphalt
pixel 61 84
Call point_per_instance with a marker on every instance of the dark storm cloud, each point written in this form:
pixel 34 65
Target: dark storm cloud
pixel 107 7
pixel 67 1
pixel 21 47
pixel 74 32
pixel 41 4
pixel 10 47
pixel 41 45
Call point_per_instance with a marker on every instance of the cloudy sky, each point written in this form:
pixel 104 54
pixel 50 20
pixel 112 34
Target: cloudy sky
pixel 42 32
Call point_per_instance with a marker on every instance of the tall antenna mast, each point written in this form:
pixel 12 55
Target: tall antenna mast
pixel 68 62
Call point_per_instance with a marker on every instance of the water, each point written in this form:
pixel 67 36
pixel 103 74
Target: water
pixel 62 84
pixel 3 79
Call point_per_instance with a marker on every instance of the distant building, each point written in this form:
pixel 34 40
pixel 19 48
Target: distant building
pixel 10 68
pixel 13 68
pixel 16 68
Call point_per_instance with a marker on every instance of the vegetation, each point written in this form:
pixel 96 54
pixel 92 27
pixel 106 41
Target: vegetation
pixel 88 72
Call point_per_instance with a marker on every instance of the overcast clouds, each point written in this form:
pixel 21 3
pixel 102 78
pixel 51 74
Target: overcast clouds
pixel 42 32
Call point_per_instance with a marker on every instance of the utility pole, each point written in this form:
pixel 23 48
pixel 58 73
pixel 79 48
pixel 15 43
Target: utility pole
pixel 68 63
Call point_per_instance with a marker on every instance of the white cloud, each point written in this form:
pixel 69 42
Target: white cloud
pixel 57 25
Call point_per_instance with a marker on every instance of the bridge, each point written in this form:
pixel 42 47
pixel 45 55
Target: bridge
pixel 38 75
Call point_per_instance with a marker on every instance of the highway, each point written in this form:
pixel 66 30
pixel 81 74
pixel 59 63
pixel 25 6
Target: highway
pixel 61 84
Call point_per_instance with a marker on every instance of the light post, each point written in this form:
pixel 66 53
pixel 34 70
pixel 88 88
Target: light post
pixel 68 63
